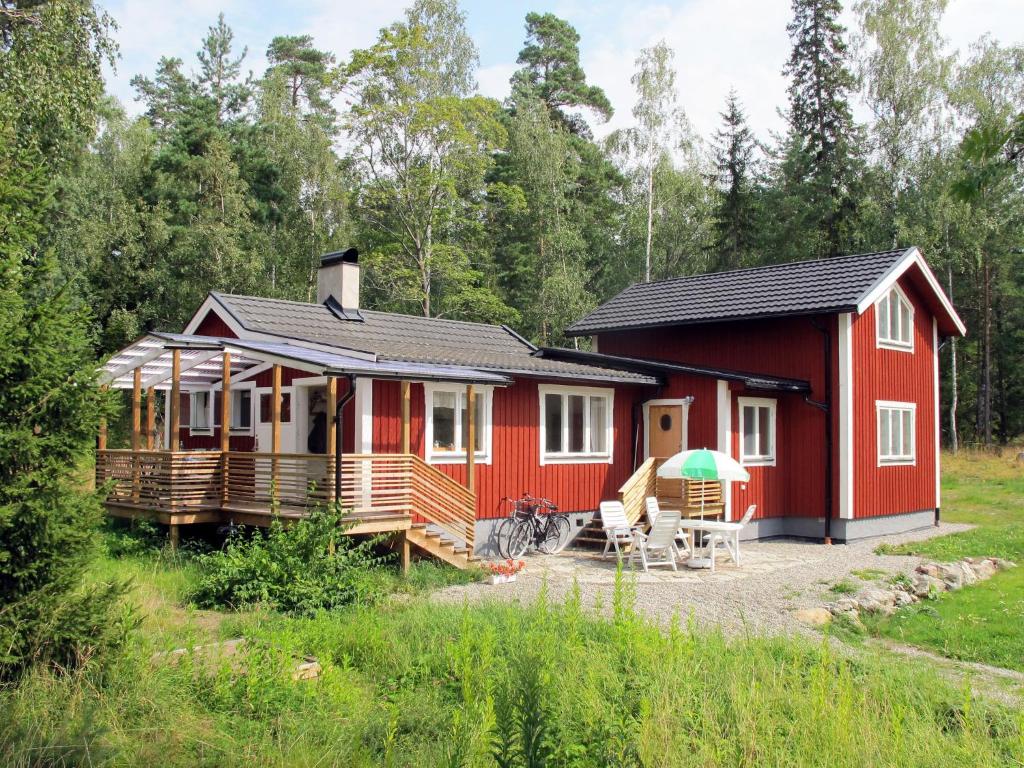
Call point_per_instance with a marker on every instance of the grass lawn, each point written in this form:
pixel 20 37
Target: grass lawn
pixel 411 683
pixel 982 622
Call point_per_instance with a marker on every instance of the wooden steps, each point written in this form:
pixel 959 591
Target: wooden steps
pixel 433 543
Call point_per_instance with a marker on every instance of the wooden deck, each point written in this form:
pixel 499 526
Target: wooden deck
pixel 380 492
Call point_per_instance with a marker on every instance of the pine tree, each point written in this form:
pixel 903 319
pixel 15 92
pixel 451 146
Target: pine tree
pixel 735 215
pixel 821 120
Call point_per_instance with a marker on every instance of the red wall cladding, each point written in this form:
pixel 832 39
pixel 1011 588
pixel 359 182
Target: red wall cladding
pixel 788 347
pixel 888 374
pixel 515 466
pixel 213 325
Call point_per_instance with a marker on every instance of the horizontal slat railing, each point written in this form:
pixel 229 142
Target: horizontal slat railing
pixel 446 503
pixel 640 485
pixel 372 485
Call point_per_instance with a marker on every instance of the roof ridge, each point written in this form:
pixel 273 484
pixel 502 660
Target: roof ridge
pixel 763 267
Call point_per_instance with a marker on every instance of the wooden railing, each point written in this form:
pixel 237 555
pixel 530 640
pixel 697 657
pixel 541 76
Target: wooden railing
pixel 693 497
pixel 640 485
pixel 171 481
pixel 288 483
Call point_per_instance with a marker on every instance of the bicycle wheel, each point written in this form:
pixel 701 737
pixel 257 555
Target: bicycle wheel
pixel 502 534
pixel 520 538
pixel 555 536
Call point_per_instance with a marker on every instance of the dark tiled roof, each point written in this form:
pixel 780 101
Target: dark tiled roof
pixel 408 338
pixel 803 287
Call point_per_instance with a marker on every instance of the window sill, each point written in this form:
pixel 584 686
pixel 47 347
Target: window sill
pixel 895 346
pixel 241 431
pixel 457 458
pixel 760 462
pixel 897 462
pixel 200 431
pixel 576 458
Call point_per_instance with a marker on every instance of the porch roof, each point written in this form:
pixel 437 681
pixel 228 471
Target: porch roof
pixel 202 362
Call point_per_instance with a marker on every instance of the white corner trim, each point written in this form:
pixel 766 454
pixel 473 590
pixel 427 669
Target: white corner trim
pixel 684 404
pixel 364 407
pixel 911 257
pixel 938 416
pixel 724 409
pixel 456 457
pixel 846 454
pixel 576 458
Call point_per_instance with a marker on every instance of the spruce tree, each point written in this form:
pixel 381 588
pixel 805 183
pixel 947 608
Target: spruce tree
pixel 735 217
pixel 821 122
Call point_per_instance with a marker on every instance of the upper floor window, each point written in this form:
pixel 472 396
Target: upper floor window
pixel 199 411
pixel 757 431
pixel 447 423
pixel 896 444
pixel 895 320
pixel 575 424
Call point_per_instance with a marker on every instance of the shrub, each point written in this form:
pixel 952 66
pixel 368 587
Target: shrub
pixel 302 568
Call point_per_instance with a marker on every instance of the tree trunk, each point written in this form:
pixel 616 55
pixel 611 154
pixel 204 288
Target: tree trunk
pixel 650 223
pixel 985 388
pixel 954 437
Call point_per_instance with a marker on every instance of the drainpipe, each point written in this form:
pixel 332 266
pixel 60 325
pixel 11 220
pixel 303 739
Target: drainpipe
pixel 338 441
pixel 826 408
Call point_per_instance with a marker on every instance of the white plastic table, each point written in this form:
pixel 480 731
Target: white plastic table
pixel 696 524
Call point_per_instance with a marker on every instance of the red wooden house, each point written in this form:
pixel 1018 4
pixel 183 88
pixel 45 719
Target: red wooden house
pixel 820 376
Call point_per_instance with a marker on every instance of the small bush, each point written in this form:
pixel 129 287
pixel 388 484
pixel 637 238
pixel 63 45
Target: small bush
pixel 843 588
pixel 308 566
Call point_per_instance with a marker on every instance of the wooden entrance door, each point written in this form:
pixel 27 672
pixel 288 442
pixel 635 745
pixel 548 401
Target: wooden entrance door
pixel 665 430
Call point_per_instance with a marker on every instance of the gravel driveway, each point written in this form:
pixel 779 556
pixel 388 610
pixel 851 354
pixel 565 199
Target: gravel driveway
pixel 776 578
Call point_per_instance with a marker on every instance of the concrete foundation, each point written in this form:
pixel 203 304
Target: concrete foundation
pixel 486 532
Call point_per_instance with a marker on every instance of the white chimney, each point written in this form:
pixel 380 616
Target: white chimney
pixel 338 276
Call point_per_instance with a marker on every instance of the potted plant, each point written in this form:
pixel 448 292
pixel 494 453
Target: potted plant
pixel 504 571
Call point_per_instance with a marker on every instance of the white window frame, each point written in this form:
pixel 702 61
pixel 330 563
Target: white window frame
pixel 192 410
pixel 904 459
pixel 771 404
pixel 457 457
pixel 897 296
pixel 565 457
pixel 253 404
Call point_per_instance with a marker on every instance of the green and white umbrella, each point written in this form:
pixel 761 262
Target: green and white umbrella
pixel 703 464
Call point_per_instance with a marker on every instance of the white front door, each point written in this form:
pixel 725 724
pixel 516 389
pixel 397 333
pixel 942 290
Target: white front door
pixel 264 426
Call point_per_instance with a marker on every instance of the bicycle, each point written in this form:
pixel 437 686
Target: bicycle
pixel 535 522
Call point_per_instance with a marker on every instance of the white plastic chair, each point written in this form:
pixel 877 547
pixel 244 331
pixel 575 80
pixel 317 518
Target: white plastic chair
pixel 616 527
pixel 659 546
pixel 654 511
pixel 727 537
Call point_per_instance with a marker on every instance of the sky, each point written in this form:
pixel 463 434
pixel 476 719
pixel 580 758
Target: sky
pixel 719 44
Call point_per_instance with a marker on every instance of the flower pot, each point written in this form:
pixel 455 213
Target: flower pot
pixel 500 578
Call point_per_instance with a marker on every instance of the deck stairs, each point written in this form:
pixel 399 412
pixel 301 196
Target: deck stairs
pixel 435 542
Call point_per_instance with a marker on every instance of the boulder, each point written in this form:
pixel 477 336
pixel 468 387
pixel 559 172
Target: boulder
pixel 816 617
pixel 1002 564
pixel 904 598
pixel 924 585
pixel 877 601
pixel 984 569
pixel 952 574
pixel 844 605
pixel 929 569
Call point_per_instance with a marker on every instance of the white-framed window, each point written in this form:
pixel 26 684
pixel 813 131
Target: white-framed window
pixel 447 423
pixel 894 315
pixel 241 410
pixel 575 424
pixel 757 431
pixel 896 432
pixel 200 418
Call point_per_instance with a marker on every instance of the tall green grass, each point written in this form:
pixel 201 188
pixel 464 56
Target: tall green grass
pixel 422 684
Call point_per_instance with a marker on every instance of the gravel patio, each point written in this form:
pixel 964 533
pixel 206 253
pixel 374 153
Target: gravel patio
pixel 776 578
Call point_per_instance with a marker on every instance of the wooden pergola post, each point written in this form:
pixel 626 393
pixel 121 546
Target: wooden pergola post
pixel 225 423
pixel 470 439
pixel 275 431
pixel 101 435
pixel 332 431
pixel 406 408
pixel 150 418
pixel 136 431
pixel 174 434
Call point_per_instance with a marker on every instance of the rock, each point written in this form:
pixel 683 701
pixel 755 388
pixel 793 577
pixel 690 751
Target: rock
pixel 1002 564
pixel 904 598
pixel 952 574
pixel 845 605
pixel 925 585
pixel 929 569
pixel 984 569
pixel 816 617
pixel 877 601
